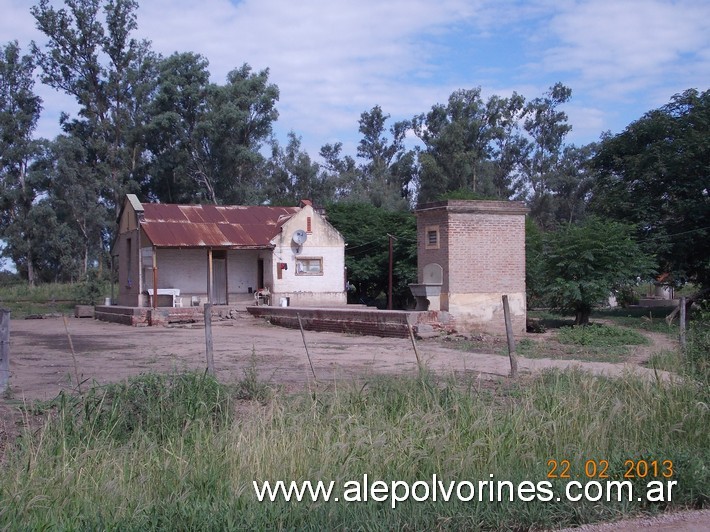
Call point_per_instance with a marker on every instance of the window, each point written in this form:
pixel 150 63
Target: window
pixel 432 237
pixel 309 266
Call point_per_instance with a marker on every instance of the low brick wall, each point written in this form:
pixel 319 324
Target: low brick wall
pixel 135 316
pixel 367 321
pixel 144 316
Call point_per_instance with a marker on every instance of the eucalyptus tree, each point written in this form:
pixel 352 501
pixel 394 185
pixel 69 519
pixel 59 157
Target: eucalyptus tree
pixel 388 170
pixel 20 186
pixel 90 55
pixel 74 193
pixel 239 121
pixel 341 172
pixel 292 175
pixel 547 127
pixel 469 145
pixel 176 111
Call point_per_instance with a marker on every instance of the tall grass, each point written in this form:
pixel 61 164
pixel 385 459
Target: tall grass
pixel 170 453
pixel 24 300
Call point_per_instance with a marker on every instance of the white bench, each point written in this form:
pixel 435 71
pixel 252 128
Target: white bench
pixel 174 292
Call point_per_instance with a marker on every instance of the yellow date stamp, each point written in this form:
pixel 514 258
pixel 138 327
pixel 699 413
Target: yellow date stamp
pixel 599 469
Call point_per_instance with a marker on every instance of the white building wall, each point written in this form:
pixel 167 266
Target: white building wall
pixel 242 271
pixel 185 269
pixel 323 242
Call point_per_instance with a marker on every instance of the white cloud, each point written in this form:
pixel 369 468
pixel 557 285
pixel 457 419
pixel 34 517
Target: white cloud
pixel 333 60
pixel 619 47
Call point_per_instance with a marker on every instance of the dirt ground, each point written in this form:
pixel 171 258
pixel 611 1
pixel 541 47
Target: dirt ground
pixel 42 363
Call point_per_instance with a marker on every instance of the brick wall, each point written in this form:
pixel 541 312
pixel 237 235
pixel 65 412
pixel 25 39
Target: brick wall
pixel 482 252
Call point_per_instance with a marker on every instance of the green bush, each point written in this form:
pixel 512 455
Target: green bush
pixel 697 352
pixel 598 335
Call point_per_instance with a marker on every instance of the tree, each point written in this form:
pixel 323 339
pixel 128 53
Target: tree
pixel 469 144
pixel 584 262
pixel 74 194
pixel 656 175
pixel 388 169
pixel 365 229
pixel 19 186
pixel 92 58
pixel 226 161
pixel 342 172
pixel 547 128
pixel 293 176
pixel 175 112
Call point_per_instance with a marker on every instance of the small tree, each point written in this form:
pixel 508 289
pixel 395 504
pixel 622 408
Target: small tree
pixel 584 263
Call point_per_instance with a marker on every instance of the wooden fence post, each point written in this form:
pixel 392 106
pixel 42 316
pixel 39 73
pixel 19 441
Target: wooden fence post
pixel 682 324
pixel 4 349
pixel 511 339
pixel 208 339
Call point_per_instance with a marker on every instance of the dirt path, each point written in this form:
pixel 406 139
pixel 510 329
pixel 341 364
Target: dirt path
pixel 687 521
pixel 41 361
pixel 41 365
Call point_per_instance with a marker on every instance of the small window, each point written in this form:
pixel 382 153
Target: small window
pixel 309 225
pixel 432 237
pixel 309 266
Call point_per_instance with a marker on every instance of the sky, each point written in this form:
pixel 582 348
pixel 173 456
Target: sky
pixel 333 60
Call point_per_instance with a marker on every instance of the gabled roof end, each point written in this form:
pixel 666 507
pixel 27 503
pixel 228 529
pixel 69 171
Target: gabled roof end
pixel 133 199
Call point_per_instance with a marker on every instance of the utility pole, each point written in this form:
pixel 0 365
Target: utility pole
pixel 389 290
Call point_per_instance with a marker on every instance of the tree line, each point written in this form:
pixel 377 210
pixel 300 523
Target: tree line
pixel 160 128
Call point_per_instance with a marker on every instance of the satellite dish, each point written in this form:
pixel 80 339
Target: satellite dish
pixel 299 236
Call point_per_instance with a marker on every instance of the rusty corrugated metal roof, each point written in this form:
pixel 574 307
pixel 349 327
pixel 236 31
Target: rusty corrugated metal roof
pixel 229 226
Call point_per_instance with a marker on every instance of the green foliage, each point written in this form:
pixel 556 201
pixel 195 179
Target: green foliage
pixel 20 187
pixel 598 335
pixel 91 289
pixel 655 175
pixel 196 472
pixel 470 144
pixel 697 353
pixel 534 265
pixel 250 387
pixel 365 229
pixel 464 194
pixel 159 407
pixel 583 263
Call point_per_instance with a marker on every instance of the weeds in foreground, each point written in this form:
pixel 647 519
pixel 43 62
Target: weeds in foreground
pixel 250 387
pixel 196 472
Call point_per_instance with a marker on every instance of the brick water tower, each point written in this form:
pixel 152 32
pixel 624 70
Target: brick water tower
pixel 470 253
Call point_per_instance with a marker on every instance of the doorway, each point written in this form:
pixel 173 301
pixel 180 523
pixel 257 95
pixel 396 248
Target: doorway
pixel 219 277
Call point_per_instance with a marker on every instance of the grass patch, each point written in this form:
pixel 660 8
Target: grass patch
pixel 597 335
pixel 197 472
pixel 645 319
pixel 23 300
pixel 554 349
pixel 666 361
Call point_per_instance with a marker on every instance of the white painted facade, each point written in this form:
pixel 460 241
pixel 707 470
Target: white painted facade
pixel 233 275
pixel 323 245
